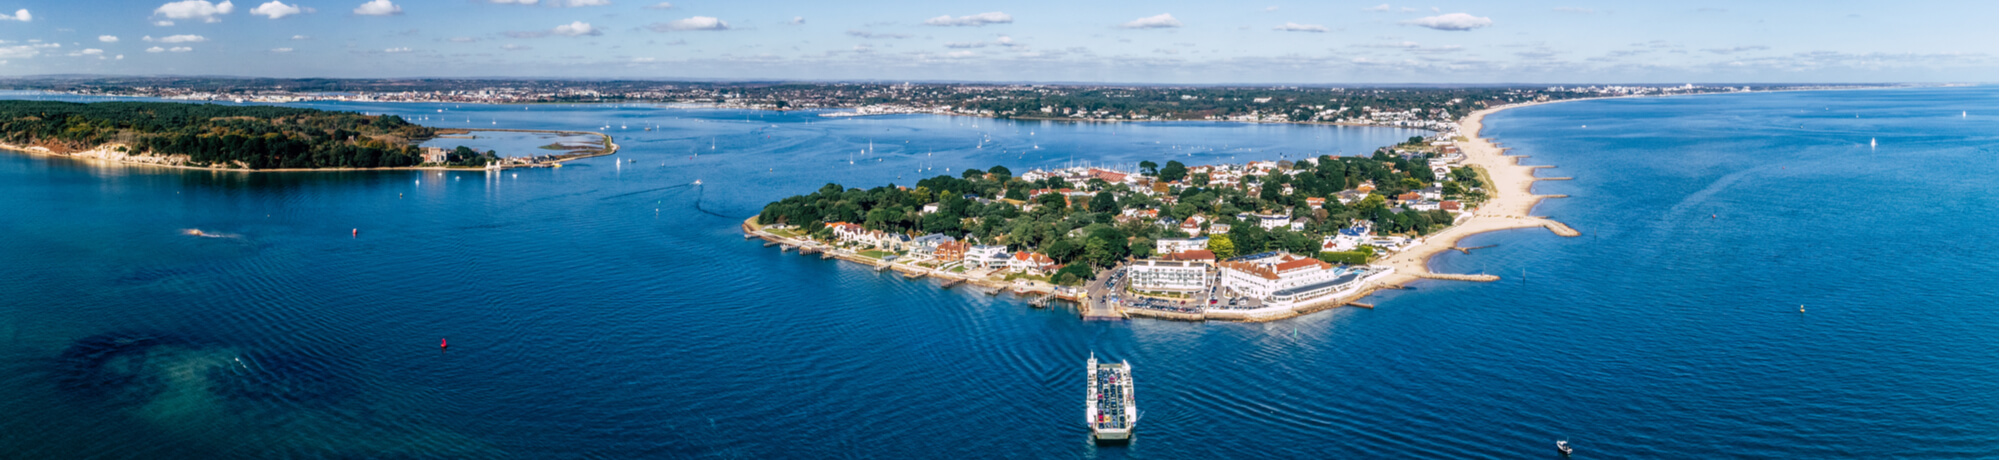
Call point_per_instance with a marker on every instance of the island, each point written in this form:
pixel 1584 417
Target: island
pixel 248 137
pixel 1256 241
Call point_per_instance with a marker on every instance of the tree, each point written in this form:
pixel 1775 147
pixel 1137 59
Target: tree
pixel 1000 173
pixel 1221 246
pixel 1104 202
pixel 972 173
pixel 1149 168
pixel 1173 171
pixel 1098 251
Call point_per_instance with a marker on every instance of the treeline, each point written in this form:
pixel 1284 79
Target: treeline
pixel 255 137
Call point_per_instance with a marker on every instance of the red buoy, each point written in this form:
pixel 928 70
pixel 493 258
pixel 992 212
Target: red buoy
pixel 442 343
pixel 357 232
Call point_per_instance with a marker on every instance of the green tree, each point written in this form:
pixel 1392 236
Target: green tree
pixel 1221 246
pixel 1149 168
pixel 1173 171
pixel 1104 202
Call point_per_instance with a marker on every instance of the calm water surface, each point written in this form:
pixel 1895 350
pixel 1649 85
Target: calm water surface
pixel 610 309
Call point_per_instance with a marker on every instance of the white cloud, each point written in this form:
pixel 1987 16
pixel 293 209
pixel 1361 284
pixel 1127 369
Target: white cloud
pixel 1162 21
pixel 180 49
pixel 1296 27
pixel 108 38
pixel 89 52
pixel 959 54
pixel 301 37
pixel 177 39
pixel 1271 8
pixel 516 2
pixel 378 8
pixel 661 6
pixel 1382 8
pixel 163 23
pixel 276 10
pixel 1453 21
pixel 577 29
pixel 19 15
pixel 798 20
pixel 514 47
pixel 155 49
pixel 692 23
pixel 1737 49
pixel 19 51
pixel 976 20
pixel 397 50
pixel 578 3
pixel 867 34
pixel 281 50
pixel 195 9
pixel 463 39
pixel 964 45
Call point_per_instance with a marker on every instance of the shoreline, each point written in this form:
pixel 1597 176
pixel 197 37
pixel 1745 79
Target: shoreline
pixel 103 153
pixel 1510 208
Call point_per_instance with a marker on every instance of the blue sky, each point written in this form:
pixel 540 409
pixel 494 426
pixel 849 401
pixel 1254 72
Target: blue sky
pixel 1274 41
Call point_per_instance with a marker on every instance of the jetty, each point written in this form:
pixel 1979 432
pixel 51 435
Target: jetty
pixel 952 282
pixel 1110 410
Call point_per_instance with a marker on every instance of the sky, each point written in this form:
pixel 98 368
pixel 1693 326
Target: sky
pixel 1264 42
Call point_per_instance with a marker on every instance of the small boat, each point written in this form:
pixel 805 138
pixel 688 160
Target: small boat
pixel 1563 446
pixel 1871 142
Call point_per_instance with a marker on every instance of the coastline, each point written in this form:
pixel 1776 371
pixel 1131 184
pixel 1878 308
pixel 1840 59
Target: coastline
pixel 105 153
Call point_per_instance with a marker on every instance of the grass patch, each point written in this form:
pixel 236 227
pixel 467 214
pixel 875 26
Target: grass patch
pixel 876 253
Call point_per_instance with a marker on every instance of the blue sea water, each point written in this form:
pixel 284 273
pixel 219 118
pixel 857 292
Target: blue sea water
pixel 610 309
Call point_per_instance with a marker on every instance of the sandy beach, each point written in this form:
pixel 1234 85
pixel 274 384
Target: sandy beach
pixel 1513 200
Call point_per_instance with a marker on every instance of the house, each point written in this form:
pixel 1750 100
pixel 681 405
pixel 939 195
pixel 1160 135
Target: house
pixel 1410 196
pixel 1173 245
pixel 1030 262
pixel 1421 205
pixel 1153 275
pixel 1365 187
pixel 1217 228
pixel 1271 221
pixel 928 244
pixel 846 232
pixel 930 208
pixel 1298 226
pixel 1350 196
pixel 1315 202
pixel 986 257
pixel 1347 239
pixel 1108 176
pixel 950 251
pixel 1432 193
pixel 1192 226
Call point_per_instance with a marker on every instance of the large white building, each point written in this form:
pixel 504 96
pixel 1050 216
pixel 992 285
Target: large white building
pixel 1173 245
pixel 1168 275
pixel 1286 281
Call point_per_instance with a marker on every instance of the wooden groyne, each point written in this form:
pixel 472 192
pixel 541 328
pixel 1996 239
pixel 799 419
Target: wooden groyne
pixel 1457 277
pixel 948 283
pixel 1469 250
pixel 1560 229
pixel 1369 306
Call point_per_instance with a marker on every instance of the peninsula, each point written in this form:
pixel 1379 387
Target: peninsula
pixel 1257 241
pixel 247 137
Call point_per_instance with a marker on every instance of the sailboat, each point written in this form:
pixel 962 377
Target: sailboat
pixel 1871 142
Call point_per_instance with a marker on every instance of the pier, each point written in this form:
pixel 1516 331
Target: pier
pixel 952 282
pixel 1469 250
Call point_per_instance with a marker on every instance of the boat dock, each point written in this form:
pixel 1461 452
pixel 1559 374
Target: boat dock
pixel 1110 410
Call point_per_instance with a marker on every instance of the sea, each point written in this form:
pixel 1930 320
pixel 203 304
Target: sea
pixel 1771 275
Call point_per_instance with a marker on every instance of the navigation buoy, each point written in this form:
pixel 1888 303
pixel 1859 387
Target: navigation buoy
pixel 1802 309
pixel 357 232
pixel 442 343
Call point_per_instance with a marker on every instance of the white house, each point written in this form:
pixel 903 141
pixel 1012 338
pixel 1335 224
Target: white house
pixel 1173 245
pixel 1288 281
pixel 1347 239
pixel 1421 205
pixel 1271 221
pixel 1030 262
pixel 1168 275
pixel 986 257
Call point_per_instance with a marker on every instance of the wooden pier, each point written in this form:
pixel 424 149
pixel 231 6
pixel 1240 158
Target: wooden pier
pixel 952 282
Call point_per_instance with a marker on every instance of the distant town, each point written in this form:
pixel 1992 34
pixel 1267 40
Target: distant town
pixel 1410 107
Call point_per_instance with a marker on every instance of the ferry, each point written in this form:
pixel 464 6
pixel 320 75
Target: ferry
pixel 1109 409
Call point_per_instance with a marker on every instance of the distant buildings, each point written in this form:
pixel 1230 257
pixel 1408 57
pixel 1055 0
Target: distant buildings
pixel 986 257
pixel 1287 281
pixel 1173 245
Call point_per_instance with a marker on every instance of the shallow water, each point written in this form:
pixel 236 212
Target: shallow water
pixel 611 309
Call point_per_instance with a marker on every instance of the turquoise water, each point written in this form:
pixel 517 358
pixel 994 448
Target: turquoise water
pixel 612 310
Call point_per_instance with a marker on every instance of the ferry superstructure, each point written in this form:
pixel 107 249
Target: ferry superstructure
pixel 1109 409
